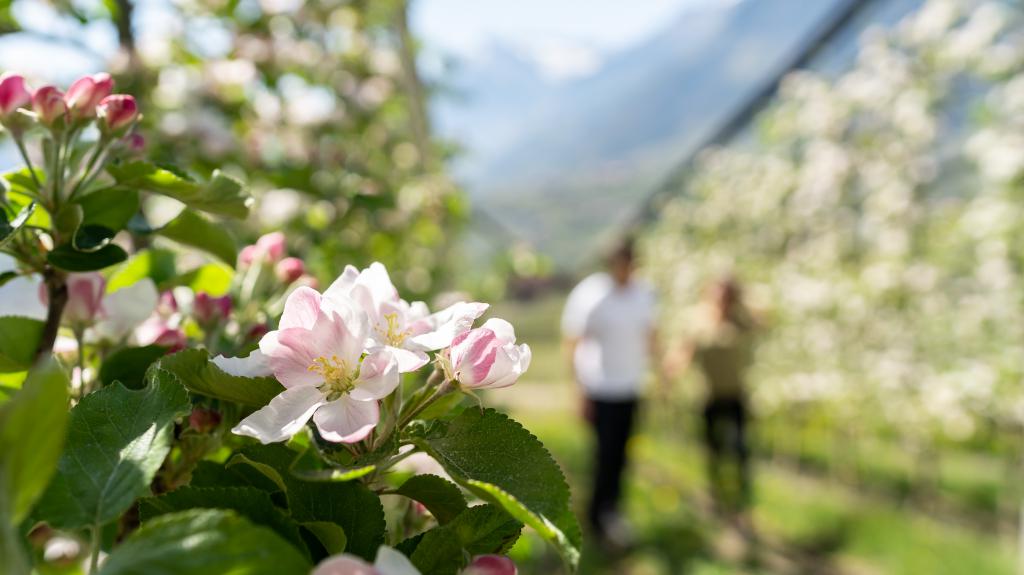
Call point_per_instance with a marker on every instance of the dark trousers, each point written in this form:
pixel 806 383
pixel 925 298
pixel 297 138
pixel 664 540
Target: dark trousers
pixel 613 425
pixel 725 436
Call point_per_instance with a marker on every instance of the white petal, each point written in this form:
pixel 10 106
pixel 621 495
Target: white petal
pixel 378 376
pixel 20 297
pixel 127 308
pixel 255 365
pixel 438 330
pixel 301 308
pixel 379 283
pixel 283 417
pixel 501 328
pixel 519 361
pixel 393 562
pixel 346 420
pixel 344 565
pixel 409 360
pixel 342 287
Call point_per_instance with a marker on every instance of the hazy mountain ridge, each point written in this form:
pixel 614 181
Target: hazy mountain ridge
pixel 578 158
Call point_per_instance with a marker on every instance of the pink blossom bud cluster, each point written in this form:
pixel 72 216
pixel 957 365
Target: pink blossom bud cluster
pixel 88 98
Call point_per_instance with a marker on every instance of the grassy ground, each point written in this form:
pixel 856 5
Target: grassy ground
pixel 805 523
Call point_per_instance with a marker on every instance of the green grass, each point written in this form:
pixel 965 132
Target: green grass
pixel 806 523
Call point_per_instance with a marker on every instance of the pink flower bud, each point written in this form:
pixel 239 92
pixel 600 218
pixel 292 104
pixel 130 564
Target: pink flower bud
pixel 204 420
pixel 488 356
pixel 86 93
pixel 167 304
pixel 48 103
pixel 491 565
pixel 257 332
pixel 118 111
pixel 156 331
pixel 135 142
pixel 248 255
pixel 308 281
pixel 271 246
pixel 85 298
pixel 13 93
pixel 289 270
pixel 208 309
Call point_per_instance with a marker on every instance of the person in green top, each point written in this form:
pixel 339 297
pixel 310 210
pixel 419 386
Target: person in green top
pixel 722 350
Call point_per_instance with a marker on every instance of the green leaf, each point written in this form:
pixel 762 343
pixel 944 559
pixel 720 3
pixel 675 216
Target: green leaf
pixel 155 264
pixel 111 208
pixel 33 425
pixel 91 237
pixel 211 474
pixel 21 181
pixel 19 338
pixel 117 440
pixel 192 229
pixel 349 504
pixel 222 195
pixel 69 218
pixel 8 227
pixel 204 542
pixel 476 531
pixel 440 496
pixel 214 279
pixel 129 365
pixel 249 502
pixel 69 259
pixel 330 535
pixel 195 370
pixel 485 447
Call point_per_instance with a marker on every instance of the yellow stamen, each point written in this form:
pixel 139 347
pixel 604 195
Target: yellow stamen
pixel 393 335
pixel 338 378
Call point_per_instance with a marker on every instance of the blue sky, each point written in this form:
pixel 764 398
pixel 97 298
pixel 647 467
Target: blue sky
pixel 565 38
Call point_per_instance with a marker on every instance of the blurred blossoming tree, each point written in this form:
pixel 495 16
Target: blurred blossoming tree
pixel 876 220
pixel 317 105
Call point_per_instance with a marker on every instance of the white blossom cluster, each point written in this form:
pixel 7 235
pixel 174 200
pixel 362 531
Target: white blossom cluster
pixel 878 225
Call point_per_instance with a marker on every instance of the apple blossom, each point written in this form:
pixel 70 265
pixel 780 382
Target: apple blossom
pixel 13 93
pixel 271 246
pixel 488 356
pixel 317 354
pixel 159 331
pixel 85 298
pixel 289 269
pixel 86 93
pixel 406 330
pixel 122 310
pixel 491 565
pixel 208 309
pixel 388 562
pixel 117 111
pixel 112 316
pixel 48 102
pixel 247 255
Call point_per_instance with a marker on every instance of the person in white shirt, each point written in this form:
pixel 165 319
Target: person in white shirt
pixel 609 329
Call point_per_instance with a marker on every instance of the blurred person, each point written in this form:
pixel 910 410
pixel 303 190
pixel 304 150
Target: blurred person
pixel 722 351
pixel 609 330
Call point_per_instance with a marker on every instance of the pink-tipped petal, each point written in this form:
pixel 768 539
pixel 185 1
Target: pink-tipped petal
pixel 301 309
pixel 289 357
pixel 346 420
pixel 440 329
pixel 283 417
pixel 13 93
